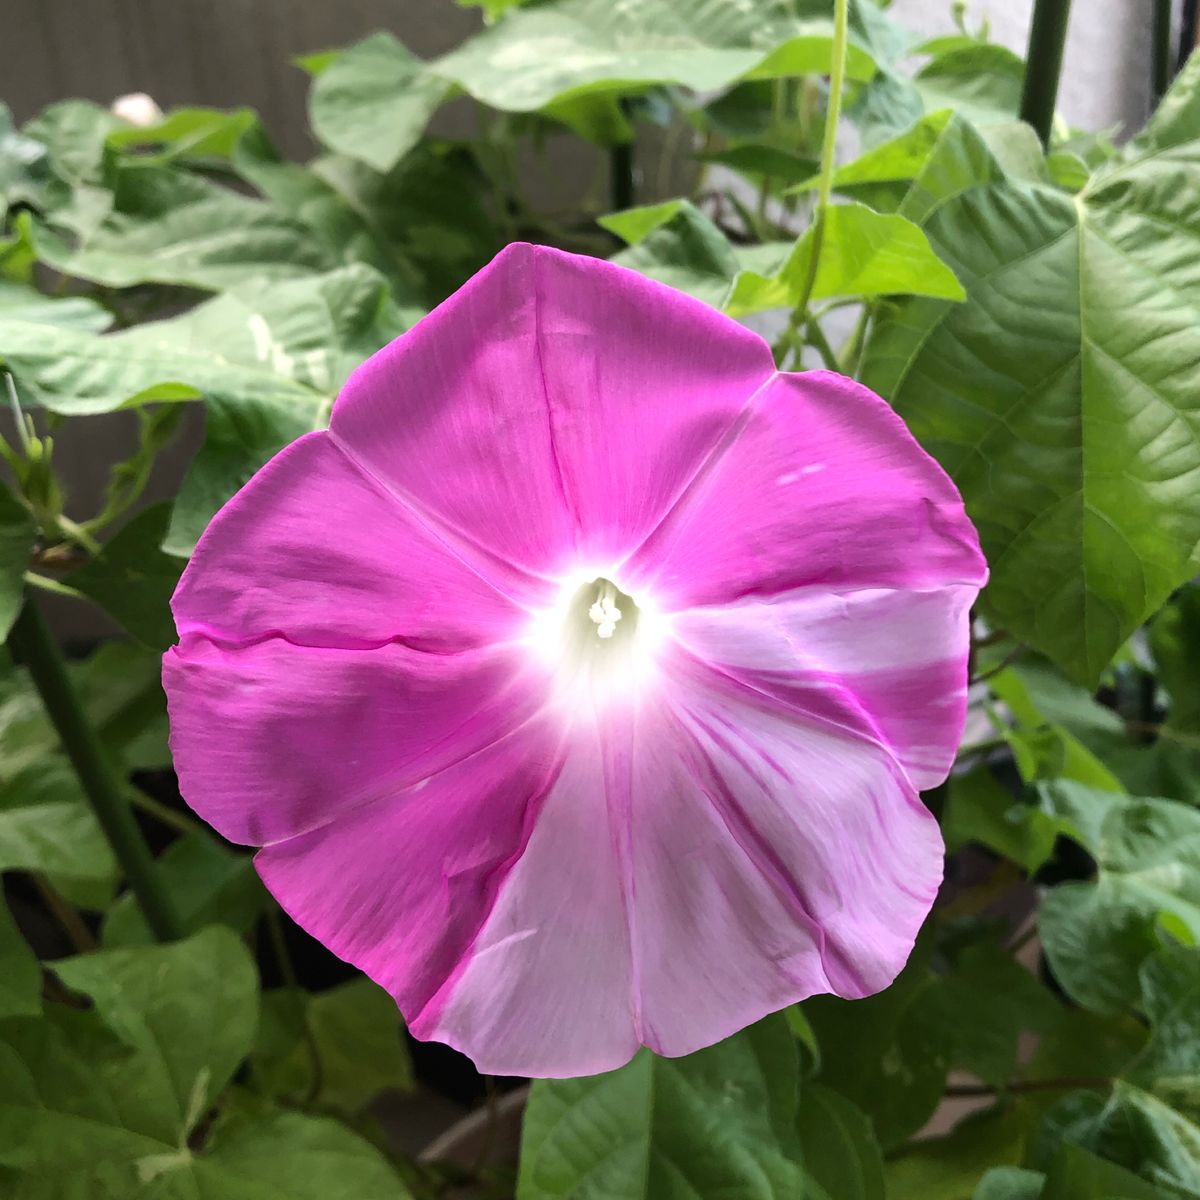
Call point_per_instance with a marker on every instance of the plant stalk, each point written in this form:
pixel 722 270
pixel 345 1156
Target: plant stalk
pixel 837 79
pixel 1162 49
pixel 32 642
pixel 1043 64
pixel 621 165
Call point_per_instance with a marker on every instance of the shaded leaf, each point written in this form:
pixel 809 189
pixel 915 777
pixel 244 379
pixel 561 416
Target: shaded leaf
pixel 132 579
pixel 209 884
pixel 47 825
pixel 686 251
pixel 1097 935
pixel 18 532
pixel 838 1146
pixel 949 1168
pixel 20 974
pixel 884 1052
pixel 980 809
pixel 357 1034
pixel 720 1122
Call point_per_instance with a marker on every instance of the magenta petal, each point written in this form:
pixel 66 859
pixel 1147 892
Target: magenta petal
pixel 887 666
pixel 697 866
pixel 821 485
pixel 314 548
pixel 402 887
pixel 553 408
pixel 272 739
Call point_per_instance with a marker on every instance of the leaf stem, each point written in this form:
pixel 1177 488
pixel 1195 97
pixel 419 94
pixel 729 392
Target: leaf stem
pixel 33 644
pixel 178 821
pixel 837 78
pixel 1065 1084
pixel 56 586
pixel 1043 64
pixel 65 913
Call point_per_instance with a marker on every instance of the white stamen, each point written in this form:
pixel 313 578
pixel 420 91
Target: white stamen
pixel 605 614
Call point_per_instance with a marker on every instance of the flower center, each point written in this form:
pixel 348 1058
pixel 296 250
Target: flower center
pixel 600 612
pixel 599 644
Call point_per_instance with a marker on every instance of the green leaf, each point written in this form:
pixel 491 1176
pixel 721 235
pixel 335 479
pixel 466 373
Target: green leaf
pixel 46 825
pixel 949 1168
pixel 718 1123
pixel 18 532
pixel 115 1102
pixel 75 132
pixel 1169 1066
pixel 178 228
pixel 209 884
pixel 983 1006
pixel 426 213
pixel 1010 1183
pixel 982 82
pixel 120 685
pixel 1135 1131
pixel 239 439
pixel 535 56
pixel 838 1146
pixel 267 358
pixel 1077 1175
pixel 687 251
pixel 191 133
pixel 356 1033
pixel 765 164
pixel 1069 171
pixel 631 225
pixel 1097 935
pixel 884 1052
pixel 980 809
pixel 1085 1045
pixel 374 100
pixel 863 253
pixel 1059 396
pixel 133 580
pixel 24 166
pixel 20 974
pixel 1175 643
pixel 935 159
pixel 1059 727
pixel 287 1156
pixel 22 303
pixel 177 1038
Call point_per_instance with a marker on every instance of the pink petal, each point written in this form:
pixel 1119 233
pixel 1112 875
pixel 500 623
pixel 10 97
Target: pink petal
pixel 401 887
pixel 271 740
pixel 313 547
pixel 887 666
pixel 760 861
pixel 553 408
pixel 820 485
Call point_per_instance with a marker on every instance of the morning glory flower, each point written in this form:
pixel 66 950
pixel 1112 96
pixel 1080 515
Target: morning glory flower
pixel 579 681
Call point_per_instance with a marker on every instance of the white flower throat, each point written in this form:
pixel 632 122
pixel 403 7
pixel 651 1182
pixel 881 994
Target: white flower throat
pixel 599 642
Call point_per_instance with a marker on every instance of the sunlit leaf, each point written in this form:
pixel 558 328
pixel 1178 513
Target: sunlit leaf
pixel 1061 397
pixel 373 101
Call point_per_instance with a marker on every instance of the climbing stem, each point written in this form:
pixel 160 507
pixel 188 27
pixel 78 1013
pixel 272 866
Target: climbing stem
pixel 1043 64
pixel 833 112
pixel 32 642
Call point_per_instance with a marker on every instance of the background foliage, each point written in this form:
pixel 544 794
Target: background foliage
pixel 1034 315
